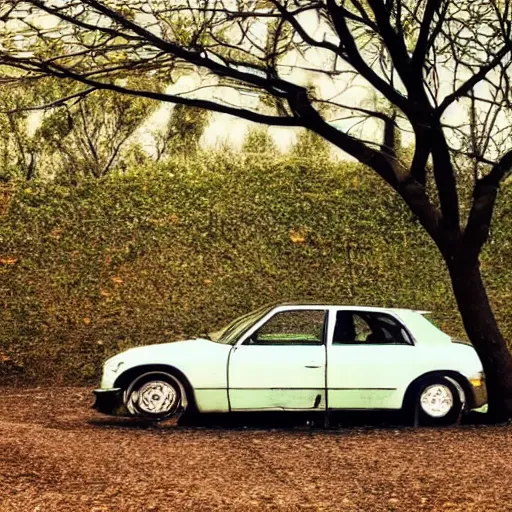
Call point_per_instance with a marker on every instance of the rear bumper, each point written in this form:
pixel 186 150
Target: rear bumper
pixel 109 401
pixel 479 395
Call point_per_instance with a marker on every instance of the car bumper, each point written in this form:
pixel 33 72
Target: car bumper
pixel 479 395
pixel 109 401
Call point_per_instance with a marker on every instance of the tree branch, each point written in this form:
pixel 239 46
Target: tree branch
pixel 423 42
pixel 356 60
pixel 421 153
pixel 445 178
pixel 415 196
pixel 55 11
pixel 58 103
pixel 485 194
pixel 394 44
pixel 62 72
pixel 290 18
pixel 474 80
pixel 199 58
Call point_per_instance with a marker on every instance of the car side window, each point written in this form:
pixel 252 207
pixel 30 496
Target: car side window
pixel 369 328
pixel 299 327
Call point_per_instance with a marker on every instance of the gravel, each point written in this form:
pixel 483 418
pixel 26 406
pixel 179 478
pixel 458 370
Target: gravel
pixel 57 454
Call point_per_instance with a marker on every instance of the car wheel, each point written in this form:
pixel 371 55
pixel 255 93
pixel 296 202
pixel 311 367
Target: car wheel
pixel 438 402
pixel 155 396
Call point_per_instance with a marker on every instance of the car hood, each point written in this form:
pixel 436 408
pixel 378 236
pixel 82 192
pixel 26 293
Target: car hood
pixel 162 351
pixel 186 345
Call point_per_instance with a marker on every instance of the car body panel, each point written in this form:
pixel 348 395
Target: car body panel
pixel 361 377
pixel 273 377
pixel 211 400
pixel 203 362
pixel 370 376
pixel 356 381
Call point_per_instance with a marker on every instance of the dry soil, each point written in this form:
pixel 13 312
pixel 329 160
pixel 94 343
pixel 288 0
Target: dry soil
pixel 57 454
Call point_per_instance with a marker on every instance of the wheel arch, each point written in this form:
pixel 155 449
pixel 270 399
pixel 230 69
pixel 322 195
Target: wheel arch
pixel 129 375
pixel 458 379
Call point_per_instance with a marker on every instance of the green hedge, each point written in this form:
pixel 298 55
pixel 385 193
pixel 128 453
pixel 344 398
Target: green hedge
pixel 168 253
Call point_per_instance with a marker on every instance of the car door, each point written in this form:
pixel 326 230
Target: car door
pixel 370 361
pixel 280 363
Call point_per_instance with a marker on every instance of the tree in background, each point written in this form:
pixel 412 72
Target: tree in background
pixel 309 143
pixel 182 133
pixel 422 58
pixel 18 151
pixel 88 138
pixel 20 146
pixel 82 137
pixel 259 141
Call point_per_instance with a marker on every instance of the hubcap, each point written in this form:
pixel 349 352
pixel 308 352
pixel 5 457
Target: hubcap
pixel 156 397
pixel 437 400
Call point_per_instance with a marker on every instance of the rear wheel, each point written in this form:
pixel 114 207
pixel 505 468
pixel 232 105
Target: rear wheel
pixel 438 402
pixel 155 396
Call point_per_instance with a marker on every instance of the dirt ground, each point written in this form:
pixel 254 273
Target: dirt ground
pixel 57 454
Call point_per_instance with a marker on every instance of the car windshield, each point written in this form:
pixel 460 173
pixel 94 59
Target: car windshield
pixel 232 332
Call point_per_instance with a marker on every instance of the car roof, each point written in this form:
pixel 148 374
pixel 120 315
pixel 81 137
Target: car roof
pixel 347 306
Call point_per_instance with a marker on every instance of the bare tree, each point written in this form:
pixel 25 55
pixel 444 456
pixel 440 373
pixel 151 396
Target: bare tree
pixel 428 63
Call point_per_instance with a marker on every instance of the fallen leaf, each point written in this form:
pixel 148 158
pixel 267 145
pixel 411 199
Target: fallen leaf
pixel 8 261
pixel 55 233
pixel 297 237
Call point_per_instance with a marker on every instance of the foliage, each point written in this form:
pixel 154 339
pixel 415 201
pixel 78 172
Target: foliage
pixel 258 140
pixel 167 253
pixel 309 143
pixel 88 138
pixel 182 134
pixel 20 147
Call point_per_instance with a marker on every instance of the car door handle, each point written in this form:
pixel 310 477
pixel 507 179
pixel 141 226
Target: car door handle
pixel 313 366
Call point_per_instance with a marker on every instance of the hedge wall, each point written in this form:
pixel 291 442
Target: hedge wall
pixel 168 253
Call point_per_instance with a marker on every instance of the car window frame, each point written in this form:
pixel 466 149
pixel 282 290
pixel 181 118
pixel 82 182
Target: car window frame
pixel 281 309
pixel 357 311
pixel 262 312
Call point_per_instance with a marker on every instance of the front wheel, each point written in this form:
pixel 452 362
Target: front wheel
pixel 438 402
pixel 155 396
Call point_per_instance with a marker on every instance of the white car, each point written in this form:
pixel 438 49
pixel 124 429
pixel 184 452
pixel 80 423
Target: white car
pixel 296 357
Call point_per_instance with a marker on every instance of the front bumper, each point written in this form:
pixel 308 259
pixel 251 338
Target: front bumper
pixel 109 401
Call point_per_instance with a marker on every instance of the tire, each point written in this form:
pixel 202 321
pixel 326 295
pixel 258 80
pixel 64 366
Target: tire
pixel 155 396
pixel 437 402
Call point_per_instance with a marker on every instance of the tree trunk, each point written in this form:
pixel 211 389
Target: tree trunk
pixel 484 333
